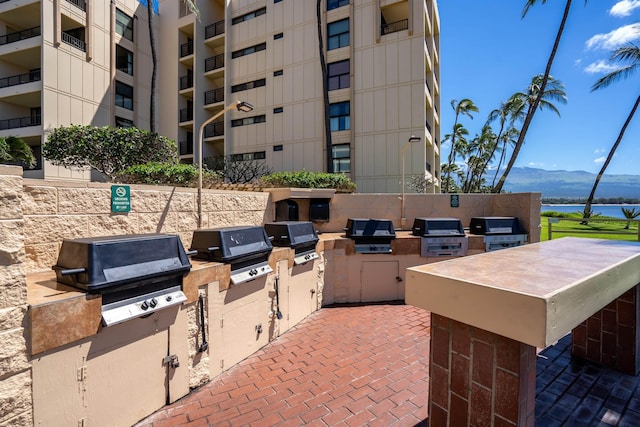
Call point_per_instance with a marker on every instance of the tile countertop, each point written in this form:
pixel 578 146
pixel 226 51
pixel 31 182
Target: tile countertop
pixel 534 293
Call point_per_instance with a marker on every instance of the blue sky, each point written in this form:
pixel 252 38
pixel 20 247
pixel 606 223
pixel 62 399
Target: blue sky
pixel 488 52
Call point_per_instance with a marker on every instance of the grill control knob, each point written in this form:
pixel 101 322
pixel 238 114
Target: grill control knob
pixel 144 305
pixel 253 272
pixel 153 302
pixel 169 298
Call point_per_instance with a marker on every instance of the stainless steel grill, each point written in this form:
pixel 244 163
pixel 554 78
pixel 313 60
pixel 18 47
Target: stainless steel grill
pixel 245 248
pixel 371 236
pixel 441 237
pixel 500 232
pixel 298 235
pixel 136 274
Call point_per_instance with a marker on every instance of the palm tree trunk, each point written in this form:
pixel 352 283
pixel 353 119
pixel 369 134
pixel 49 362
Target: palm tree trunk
pixel 587 206
pixel 451 157
pixel 325 89
pixel 154 58
pixel 536 102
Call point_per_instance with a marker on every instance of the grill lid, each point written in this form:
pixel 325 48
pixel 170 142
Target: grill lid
pixel 495 225
pixel 378 229
pixel 231 244
pixel 103 263
pixel 437 227
pixel 292 234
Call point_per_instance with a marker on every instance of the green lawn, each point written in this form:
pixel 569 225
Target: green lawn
pixel 598 228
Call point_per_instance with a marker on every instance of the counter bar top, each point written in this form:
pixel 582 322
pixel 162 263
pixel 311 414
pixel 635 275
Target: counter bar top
pixel 534 293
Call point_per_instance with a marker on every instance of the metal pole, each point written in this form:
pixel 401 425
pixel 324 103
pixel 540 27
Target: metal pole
pixel 403 219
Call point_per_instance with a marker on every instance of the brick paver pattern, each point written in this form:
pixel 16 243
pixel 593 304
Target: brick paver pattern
pixel 341 366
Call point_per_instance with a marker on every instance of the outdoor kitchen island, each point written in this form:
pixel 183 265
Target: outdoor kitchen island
pixel 490 313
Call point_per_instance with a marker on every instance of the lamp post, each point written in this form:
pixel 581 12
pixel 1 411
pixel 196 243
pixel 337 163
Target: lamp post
pixel 240 106
pixel 403 220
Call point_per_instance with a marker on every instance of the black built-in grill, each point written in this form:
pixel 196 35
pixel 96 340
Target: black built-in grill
pixel 499 232
pixel 371 236
pixel 245 248
pixel 136 274
pixel 297 235
pixel 441 237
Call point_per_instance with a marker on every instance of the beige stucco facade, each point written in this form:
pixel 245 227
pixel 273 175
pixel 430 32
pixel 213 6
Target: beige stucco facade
pixel 62 63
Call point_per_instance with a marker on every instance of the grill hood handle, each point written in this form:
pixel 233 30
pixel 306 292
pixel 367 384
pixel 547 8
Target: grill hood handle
pixel 213 248
pixel 191 252
pixel 67 272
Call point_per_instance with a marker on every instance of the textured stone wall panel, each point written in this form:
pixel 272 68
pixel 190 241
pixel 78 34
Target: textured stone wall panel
pixel 41 257
pixel 15 397
pixel 53 229
pixel 211 201
pixel 13 290
pixel 40 200
pixel 242 202
pixel 228 219
pixel 11 318
pixel 83 200
pixel 13 355
pixel 113 225
pixel 11 242
pixel 10 197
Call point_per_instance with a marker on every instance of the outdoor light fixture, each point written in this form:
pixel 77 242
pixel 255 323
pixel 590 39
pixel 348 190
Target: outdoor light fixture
pixel 412 138
pixel 240 106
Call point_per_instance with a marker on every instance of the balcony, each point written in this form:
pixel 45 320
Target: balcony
pixel 214 62
pixel 186 148
pixel 214 29
pixel 80 4
pixel 186 82
pixel 186 49
pixel 214 129
pixel 74 42
pixel 394 27
pixel 20 122
pixel 214 96
pixel 186 115
pixel 32 76
pixel 20 35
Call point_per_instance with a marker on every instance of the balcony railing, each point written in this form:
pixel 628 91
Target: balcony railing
pixel 186 148
pixel 186 115
pixel 186 49
pixel 394 27
pixel 214 129
pixel 428 126
pixel 74 42
pixel 214 29
pixel 20 122
pixel 214 62
pixel 32 76
pixel 20 35
pixel 213 96
pixel 80 4
pixel 186 82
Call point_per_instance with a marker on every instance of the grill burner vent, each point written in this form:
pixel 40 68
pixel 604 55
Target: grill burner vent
pixel 245 248
pixel 371 236
pixel 441 237
pixel 136 274
pixel 499 232
pixel 298 235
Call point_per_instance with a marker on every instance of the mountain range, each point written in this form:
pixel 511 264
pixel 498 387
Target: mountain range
pixel 570 184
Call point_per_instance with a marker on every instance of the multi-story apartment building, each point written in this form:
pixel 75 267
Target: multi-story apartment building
pixel 91 64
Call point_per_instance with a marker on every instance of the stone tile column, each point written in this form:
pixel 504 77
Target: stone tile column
pixel 479 378
pixel 15 367
pixel 610 336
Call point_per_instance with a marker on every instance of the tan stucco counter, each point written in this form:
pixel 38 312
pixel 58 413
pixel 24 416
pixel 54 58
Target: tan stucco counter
pixel 534 293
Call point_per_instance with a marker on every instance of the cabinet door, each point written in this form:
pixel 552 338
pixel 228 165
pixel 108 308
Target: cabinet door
pixel 379 281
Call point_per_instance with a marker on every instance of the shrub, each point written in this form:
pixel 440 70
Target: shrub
pixel 305 179
pixel 153 173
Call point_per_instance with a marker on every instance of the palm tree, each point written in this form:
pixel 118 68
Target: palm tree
pixel 325 89
pixel 630 213
pixel 543 85
pixel 537 95
pixel 466 107
pixel 481 149
pixel 15 150
pixel 629 54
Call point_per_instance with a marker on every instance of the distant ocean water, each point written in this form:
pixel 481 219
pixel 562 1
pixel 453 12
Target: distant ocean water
pixel 613 211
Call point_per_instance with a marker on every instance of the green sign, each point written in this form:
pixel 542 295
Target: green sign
pixel 455 201
pixel 120 198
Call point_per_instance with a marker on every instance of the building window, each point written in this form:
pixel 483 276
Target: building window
pixel 248 85
pixel 341 157
pixel 334 4
pixel 248 121
pixel 249 50
pixel 277 147
pixel 248 16
pixel 124 95
pixel 124 60
pixel 124 25
pixel 339 116
pixel 338 75
pixel 278 36
pixel 278 73
pixel 278 110
pixel 258 155
pixel 124 123
pixel 338 34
